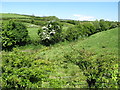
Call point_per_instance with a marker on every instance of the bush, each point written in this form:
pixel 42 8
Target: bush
pixel 113 25
pixel 50 34
pixel 104 25
pixel 22 70
pixel 14 33
pixel 100 71
pixel 73 33
pixel 89 29
pixel 97 26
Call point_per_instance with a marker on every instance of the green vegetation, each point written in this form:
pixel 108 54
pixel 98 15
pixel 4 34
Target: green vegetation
pixel 14 34
pixel 50 34
pixel 73 33
pixel 33 34
pixel 102 42
pixel 21 70
pixel 10 15
pixel 85 56
pixel 98 43
pixel 100 71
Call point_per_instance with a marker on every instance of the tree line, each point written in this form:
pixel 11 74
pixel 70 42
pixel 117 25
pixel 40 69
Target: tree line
pixel 15 33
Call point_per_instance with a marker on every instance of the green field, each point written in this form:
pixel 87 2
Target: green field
pixel 33 33
pixel 11 15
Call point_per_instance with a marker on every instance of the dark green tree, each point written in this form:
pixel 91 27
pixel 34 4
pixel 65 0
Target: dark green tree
pixel 113 25
pixel 74 32
pixel 97 26
pixel 14 33
pixel 104 25
pixel 89 29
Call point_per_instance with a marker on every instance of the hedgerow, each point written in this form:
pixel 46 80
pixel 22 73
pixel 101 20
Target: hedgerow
pixel 87 29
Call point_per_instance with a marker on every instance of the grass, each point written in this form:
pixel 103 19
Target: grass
pixel 33 33
pixel 11 15
pixel 106 41
pixel 29 25
pixel 101 43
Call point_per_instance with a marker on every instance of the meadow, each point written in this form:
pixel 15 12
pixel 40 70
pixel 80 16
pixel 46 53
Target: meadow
pixel 88 61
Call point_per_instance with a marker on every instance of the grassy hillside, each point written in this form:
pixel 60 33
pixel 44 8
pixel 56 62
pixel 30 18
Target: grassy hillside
pixel 106 41
pixel 11 15
pixel 100 43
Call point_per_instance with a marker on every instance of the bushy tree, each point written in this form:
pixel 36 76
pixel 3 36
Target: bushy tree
pixel 74 32
pixel 97 26
pixel 14 33
pixel 104 25
pixel 89 29
pixel 113 25
pixel 51 33
pixel 80 29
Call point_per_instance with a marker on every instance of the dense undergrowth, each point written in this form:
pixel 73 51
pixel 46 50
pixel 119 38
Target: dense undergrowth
pixel 83 69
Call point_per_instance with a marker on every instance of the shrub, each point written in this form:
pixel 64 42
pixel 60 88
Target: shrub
pixel 73 33
pixel 14 33
pixel 89 29
pixel 97 26
pixel 100 71
pixel 104 25
pixel 80 29
pixel 22 70
pixel 113 25
pixel 51 33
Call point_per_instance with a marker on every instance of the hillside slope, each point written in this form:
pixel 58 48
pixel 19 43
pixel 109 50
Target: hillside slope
pixel 103 42
pixel 106 41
